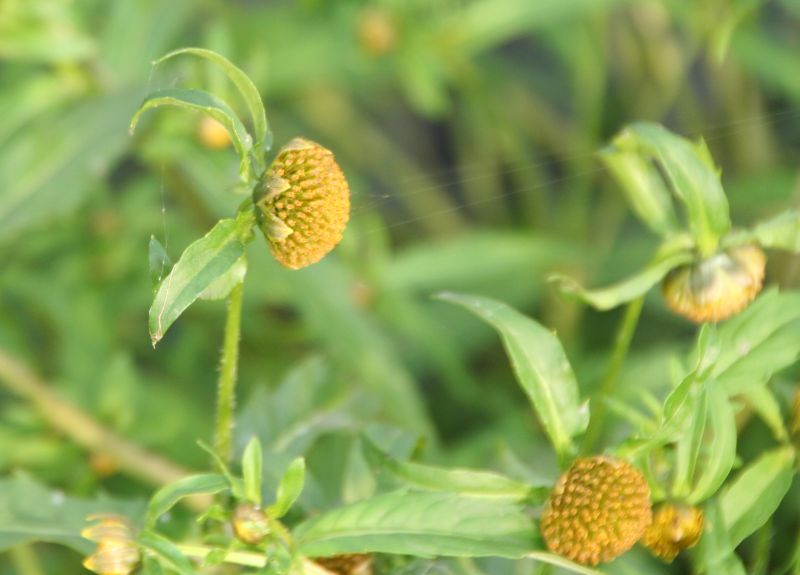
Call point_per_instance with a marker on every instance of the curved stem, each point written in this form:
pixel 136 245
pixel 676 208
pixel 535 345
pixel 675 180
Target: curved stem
pixel 622 345
pixel 226 387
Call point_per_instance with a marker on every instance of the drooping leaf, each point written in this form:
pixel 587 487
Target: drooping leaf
pixel 165 498
pixel 765 405
pixel 30 512
pixel 206 103
pixel 628 289
pixel 221 287
pixel 166 551
pixel 245 86
pixel 424 524
pixel 781 232
pixel 159 261
pixel 693 178
pixel 252 464
pixel 202 263
pixel 721 450
pixel 541 367
pixel 290 487
pixel 644 188
pixel 467 482
pixel 751 499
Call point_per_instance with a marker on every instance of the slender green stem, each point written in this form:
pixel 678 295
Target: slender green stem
pixel 247 558
pixel 226 387
pixel 622 345
pixel 24 559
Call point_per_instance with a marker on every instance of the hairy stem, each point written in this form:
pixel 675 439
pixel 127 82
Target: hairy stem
pixel 622 345
pixel 226 387
pixel 82 428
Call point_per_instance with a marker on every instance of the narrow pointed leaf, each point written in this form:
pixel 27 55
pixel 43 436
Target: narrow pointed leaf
pixel 200 101
pixel 244 84
pixel 781 232
pixel 199 266
pixel 628 289
pixel 423 524
pixel 166 551
pixel 289 488
pixel 751 499
pixel 541 367
pixel 252 462
pixel 165 498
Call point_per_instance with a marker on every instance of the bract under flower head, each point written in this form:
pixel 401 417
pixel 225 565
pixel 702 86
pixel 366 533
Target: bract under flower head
pixel 674 528
pixel 598 510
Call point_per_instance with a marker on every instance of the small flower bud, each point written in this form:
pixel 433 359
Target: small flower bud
pixel 717 287
pixel 302 203
pixel 597 511
pixel 212 134
pixel 352 564
pixel 674 528
pixel 116 553
pixel 250 524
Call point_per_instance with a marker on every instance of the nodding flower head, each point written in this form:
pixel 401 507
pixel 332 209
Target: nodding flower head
pixel 674 528
pixel 352 564
pixel 597 511
pixel 116 553
pixel 250 524
pixel 302 203
pixel 717 287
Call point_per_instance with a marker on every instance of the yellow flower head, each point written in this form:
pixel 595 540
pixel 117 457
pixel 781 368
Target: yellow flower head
pixel 717 287
pixel 674 528
pixel 352 564
pixel 250 524
pixel 116 553
pixel 597 511
pixel 303 203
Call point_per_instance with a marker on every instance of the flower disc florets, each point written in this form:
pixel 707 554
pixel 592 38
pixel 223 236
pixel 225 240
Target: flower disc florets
pixel 717 287
pixel 302 203
pixel 598 510
pixel 674 528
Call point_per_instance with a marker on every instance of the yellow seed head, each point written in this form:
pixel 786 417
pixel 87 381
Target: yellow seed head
pixel 302 203
pixel 212 134
pixel 674 528
pixel 717 287
pixel 116 553
pixel 250 524
pixel 597 511
pixel 352 564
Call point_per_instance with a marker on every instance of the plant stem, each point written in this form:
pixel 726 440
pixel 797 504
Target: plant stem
pixel 622 345
pixel 247 558
pixel 226 387
pixel 82 428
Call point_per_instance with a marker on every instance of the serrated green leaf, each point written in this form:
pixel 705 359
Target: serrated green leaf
pixel 165 498
pixel 422 524
pixel 693 178
pixel 200 265
pixel 541 367
pixel 206 103
pixel 754 495
pixel 252 464
pixel 643 187
pixel 467 482
pixel 628 289
pixel 245 86
pixel 289 488
pixel 166 551
pixel 722 450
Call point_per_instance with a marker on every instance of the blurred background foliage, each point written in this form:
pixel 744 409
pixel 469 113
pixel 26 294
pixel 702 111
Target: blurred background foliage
pixel 467 130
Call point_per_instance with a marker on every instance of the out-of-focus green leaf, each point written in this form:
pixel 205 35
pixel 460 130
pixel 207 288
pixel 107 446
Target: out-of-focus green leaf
pixel 422 524
pixel 252 465
pixel 30 512
pixel 208 104
pixel 467 482
pixel 781 232
pixel 200 265
pixel 693 177
pixel 644 188
pixel 759 342
pixel 159 260
pixel 562 563
pixel 165 498
pixel 289 488
pixel 763 402
pixel 722 450
pixel 166 551
pixel 246 88
pixel 628 289
pixel 751 499
pixel 541 366
pixel 716 553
